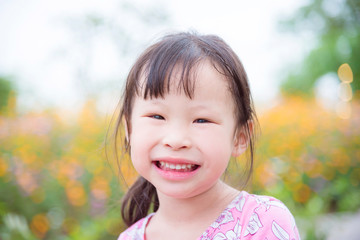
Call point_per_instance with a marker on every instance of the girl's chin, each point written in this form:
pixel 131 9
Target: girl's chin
pixel 187 191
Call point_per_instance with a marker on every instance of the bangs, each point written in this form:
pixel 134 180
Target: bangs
pixel 171 65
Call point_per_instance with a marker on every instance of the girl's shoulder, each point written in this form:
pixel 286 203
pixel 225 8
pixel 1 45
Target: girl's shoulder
pixel 258 202
pixel 137 230
pixel 270 217
pixel 251 216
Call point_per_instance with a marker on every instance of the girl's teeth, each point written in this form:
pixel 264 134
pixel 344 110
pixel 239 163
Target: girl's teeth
pixel 178 167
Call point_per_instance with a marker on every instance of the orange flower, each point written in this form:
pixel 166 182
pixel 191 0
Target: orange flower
pixel 301 193
pixel 100 188
pixel 75 193
pixel 3 167
pixel 39 225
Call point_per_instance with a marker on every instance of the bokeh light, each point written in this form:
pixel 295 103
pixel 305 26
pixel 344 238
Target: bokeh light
pixel 343 107
pixel 345 73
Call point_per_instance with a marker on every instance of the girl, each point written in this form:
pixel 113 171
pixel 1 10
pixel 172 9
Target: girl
pixel 187 110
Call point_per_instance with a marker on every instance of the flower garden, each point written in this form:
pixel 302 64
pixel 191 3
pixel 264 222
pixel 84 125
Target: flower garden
pixel 56 182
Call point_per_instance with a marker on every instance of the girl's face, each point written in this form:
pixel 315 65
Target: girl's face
pixel 182 145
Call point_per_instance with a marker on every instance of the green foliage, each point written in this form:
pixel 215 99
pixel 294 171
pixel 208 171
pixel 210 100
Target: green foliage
pixel 335 27
pixel 5 91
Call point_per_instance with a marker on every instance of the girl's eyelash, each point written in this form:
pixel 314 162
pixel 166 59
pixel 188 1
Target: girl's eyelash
pixel 201 120
pixel 159 117
pixel 156 116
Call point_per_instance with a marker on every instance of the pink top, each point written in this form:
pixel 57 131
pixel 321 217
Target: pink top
pixel 248 216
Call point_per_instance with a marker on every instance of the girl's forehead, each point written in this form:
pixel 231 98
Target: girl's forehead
pixel 182 80
pixel 210 91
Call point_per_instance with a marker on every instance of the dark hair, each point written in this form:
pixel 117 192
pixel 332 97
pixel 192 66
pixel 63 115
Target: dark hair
pixel 183 50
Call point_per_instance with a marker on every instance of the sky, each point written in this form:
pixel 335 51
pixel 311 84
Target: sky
pixel 56 60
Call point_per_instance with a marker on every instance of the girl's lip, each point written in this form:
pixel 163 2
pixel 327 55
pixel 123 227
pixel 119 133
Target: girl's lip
pixel 175 175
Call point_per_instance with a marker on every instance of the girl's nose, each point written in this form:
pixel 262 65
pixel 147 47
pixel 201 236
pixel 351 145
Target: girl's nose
pixel 177 138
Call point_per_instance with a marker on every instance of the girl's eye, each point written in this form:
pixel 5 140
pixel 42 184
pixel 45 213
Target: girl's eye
pixel 200 120
pixel 158 117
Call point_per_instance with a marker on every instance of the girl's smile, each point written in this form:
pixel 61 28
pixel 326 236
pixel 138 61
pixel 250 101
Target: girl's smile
pixel 175 165
pixel 182 145
pixel 176 170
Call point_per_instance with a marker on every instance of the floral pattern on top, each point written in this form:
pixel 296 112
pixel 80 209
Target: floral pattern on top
pixel 248 216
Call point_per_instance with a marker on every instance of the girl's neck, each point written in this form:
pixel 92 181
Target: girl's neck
pixel 206 205
pixel 189 218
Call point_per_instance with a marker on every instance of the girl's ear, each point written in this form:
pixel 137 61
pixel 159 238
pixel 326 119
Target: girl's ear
pixel 242 139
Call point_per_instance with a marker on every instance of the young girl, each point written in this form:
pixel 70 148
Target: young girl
pixel 186 111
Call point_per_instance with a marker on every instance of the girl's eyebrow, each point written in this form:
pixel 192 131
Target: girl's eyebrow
pixel 155 101
pixel 194 105
pixel 203 109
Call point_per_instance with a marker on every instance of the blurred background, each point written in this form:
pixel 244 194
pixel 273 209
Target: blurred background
pixel 62 68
